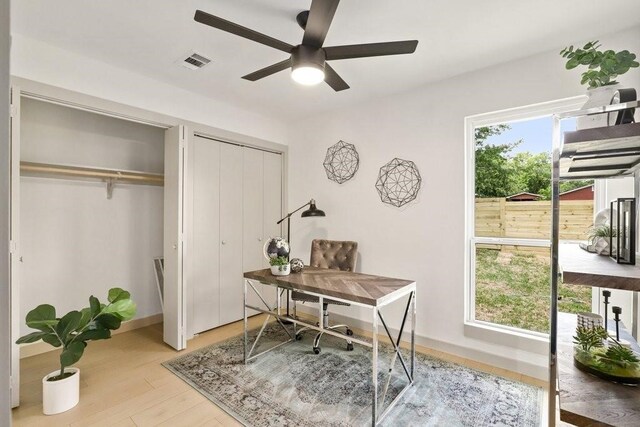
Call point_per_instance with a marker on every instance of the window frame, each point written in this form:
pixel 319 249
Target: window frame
pixel 516 114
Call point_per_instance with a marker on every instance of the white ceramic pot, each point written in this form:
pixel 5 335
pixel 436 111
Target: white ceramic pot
pixel 281 270
pixel 598 97
pixel 62 395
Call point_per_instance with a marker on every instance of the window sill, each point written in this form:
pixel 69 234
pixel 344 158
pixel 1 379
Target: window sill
pixel 518 339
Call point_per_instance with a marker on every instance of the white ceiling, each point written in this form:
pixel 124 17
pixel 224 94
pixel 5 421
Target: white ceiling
pixel 149 36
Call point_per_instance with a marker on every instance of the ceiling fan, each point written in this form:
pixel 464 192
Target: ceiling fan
pixel 308 60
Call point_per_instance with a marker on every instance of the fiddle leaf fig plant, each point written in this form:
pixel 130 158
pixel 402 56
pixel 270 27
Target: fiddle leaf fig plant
pixel 602 66
pixel 75 329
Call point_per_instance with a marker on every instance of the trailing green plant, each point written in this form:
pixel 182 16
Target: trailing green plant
pixel 604 231
pixel 75 329
pixel 589 338
pixel 280 261
pixel 603 66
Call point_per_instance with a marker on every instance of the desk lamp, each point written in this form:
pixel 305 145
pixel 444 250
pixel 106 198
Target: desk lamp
pixel 312 211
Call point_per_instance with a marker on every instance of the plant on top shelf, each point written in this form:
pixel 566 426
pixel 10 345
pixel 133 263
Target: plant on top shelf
pixel 75 329
pixel 279 261
pixel 602 66
pixel 601 231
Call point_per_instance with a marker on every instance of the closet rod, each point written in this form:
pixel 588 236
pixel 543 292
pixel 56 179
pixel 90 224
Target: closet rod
pixel 32 168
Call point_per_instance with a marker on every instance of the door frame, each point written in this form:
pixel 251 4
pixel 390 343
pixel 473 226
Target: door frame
pixel 14 248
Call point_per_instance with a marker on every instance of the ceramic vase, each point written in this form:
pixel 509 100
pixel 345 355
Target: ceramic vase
pixel 598 97
pixel 281 270
pixel 62 395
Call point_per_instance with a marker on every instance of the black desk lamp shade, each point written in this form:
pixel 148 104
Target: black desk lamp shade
pixel 313 210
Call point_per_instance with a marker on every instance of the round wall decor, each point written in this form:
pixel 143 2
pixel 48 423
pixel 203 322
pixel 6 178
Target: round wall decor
pixel 398 182
pixel 341 162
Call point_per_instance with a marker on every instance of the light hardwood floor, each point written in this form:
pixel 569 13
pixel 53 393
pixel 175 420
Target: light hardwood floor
pixel 124 384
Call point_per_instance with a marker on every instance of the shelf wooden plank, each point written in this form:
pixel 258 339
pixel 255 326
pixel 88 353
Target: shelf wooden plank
pixel 586 400
pixel 580 267
pixel 609 151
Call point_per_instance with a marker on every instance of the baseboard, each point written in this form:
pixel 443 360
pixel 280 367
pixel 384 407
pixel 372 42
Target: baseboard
pixel 517 366
pixel 28 350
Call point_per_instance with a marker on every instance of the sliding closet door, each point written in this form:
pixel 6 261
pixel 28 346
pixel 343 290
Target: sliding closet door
pixel 272 189
pixel 204 243
pixel 253 200
pixel 174 301
pixel 231 236
pixel 272 205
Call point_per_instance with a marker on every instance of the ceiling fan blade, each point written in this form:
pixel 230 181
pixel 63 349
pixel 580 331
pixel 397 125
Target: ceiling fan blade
pixel 319 21
pixel 239 30
pixel 267 71
pixel 370 49
pixel 333 79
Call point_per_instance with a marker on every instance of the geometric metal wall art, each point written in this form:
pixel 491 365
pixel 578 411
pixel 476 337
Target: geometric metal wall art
pixel 398 182
pixel 341 162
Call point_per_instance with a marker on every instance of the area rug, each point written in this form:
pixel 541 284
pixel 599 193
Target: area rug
pixel 292 386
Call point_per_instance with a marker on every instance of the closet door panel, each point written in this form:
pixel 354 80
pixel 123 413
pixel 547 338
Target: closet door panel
pixel 272 190
pixel 174 324
pixel 272 207
pixel 253 201
pixel 231 235
pixel 204 277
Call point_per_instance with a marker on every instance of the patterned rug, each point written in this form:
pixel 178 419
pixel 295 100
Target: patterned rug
pixel 292 386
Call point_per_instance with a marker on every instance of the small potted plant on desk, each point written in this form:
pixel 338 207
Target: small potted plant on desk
pixel 280 266
pixel 72 332
pixel 276 251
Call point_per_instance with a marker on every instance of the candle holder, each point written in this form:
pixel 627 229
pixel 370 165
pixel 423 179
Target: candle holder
pixel 623 230
pixel 606 295
pixel 617 311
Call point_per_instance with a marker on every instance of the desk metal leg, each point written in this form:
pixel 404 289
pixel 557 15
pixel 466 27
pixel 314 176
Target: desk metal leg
pixel 397 355
pixel 246 325
pixel 374 366
pixel 248 353
pixel 413 333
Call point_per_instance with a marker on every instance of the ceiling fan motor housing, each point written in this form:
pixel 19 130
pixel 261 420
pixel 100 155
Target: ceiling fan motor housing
pixel 307 56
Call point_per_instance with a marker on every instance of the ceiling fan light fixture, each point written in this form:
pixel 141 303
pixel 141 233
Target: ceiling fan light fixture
pixel 307 65
pixel 307 75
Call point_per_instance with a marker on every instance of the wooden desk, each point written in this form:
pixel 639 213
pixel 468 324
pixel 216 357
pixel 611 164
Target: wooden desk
pixel 586 400
pixel 357 289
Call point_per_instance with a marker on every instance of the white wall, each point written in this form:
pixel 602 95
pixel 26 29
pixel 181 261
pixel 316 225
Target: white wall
pixel 74 241
pixel 5 307
pixel 45 63
pixel 425 240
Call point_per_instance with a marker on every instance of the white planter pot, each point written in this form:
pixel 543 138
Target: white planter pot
pixel 62 395
pixel 281 270
pixel 598 97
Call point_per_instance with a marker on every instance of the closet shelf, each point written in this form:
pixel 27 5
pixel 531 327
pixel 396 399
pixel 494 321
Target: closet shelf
pixel 109 176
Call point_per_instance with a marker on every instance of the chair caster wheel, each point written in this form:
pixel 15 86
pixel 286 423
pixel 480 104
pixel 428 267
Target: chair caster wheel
pixel 316 350
pixel 349 347
pixel 349 332
pixel 298 337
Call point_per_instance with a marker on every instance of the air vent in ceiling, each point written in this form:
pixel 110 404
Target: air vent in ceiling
pixel 195 61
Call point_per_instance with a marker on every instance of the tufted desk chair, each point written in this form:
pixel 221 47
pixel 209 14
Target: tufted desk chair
pixel 336 255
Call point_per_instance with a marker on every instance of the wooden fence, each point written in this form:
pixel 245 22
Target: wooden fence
pixel 495 217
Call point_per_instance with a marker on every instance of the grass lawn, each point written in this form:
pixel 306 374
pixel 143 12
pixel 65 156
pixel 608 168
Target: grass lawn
pixel 512 289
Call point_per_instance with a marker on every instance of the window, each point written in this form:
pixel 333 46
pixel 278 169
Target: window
pixel 509 218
